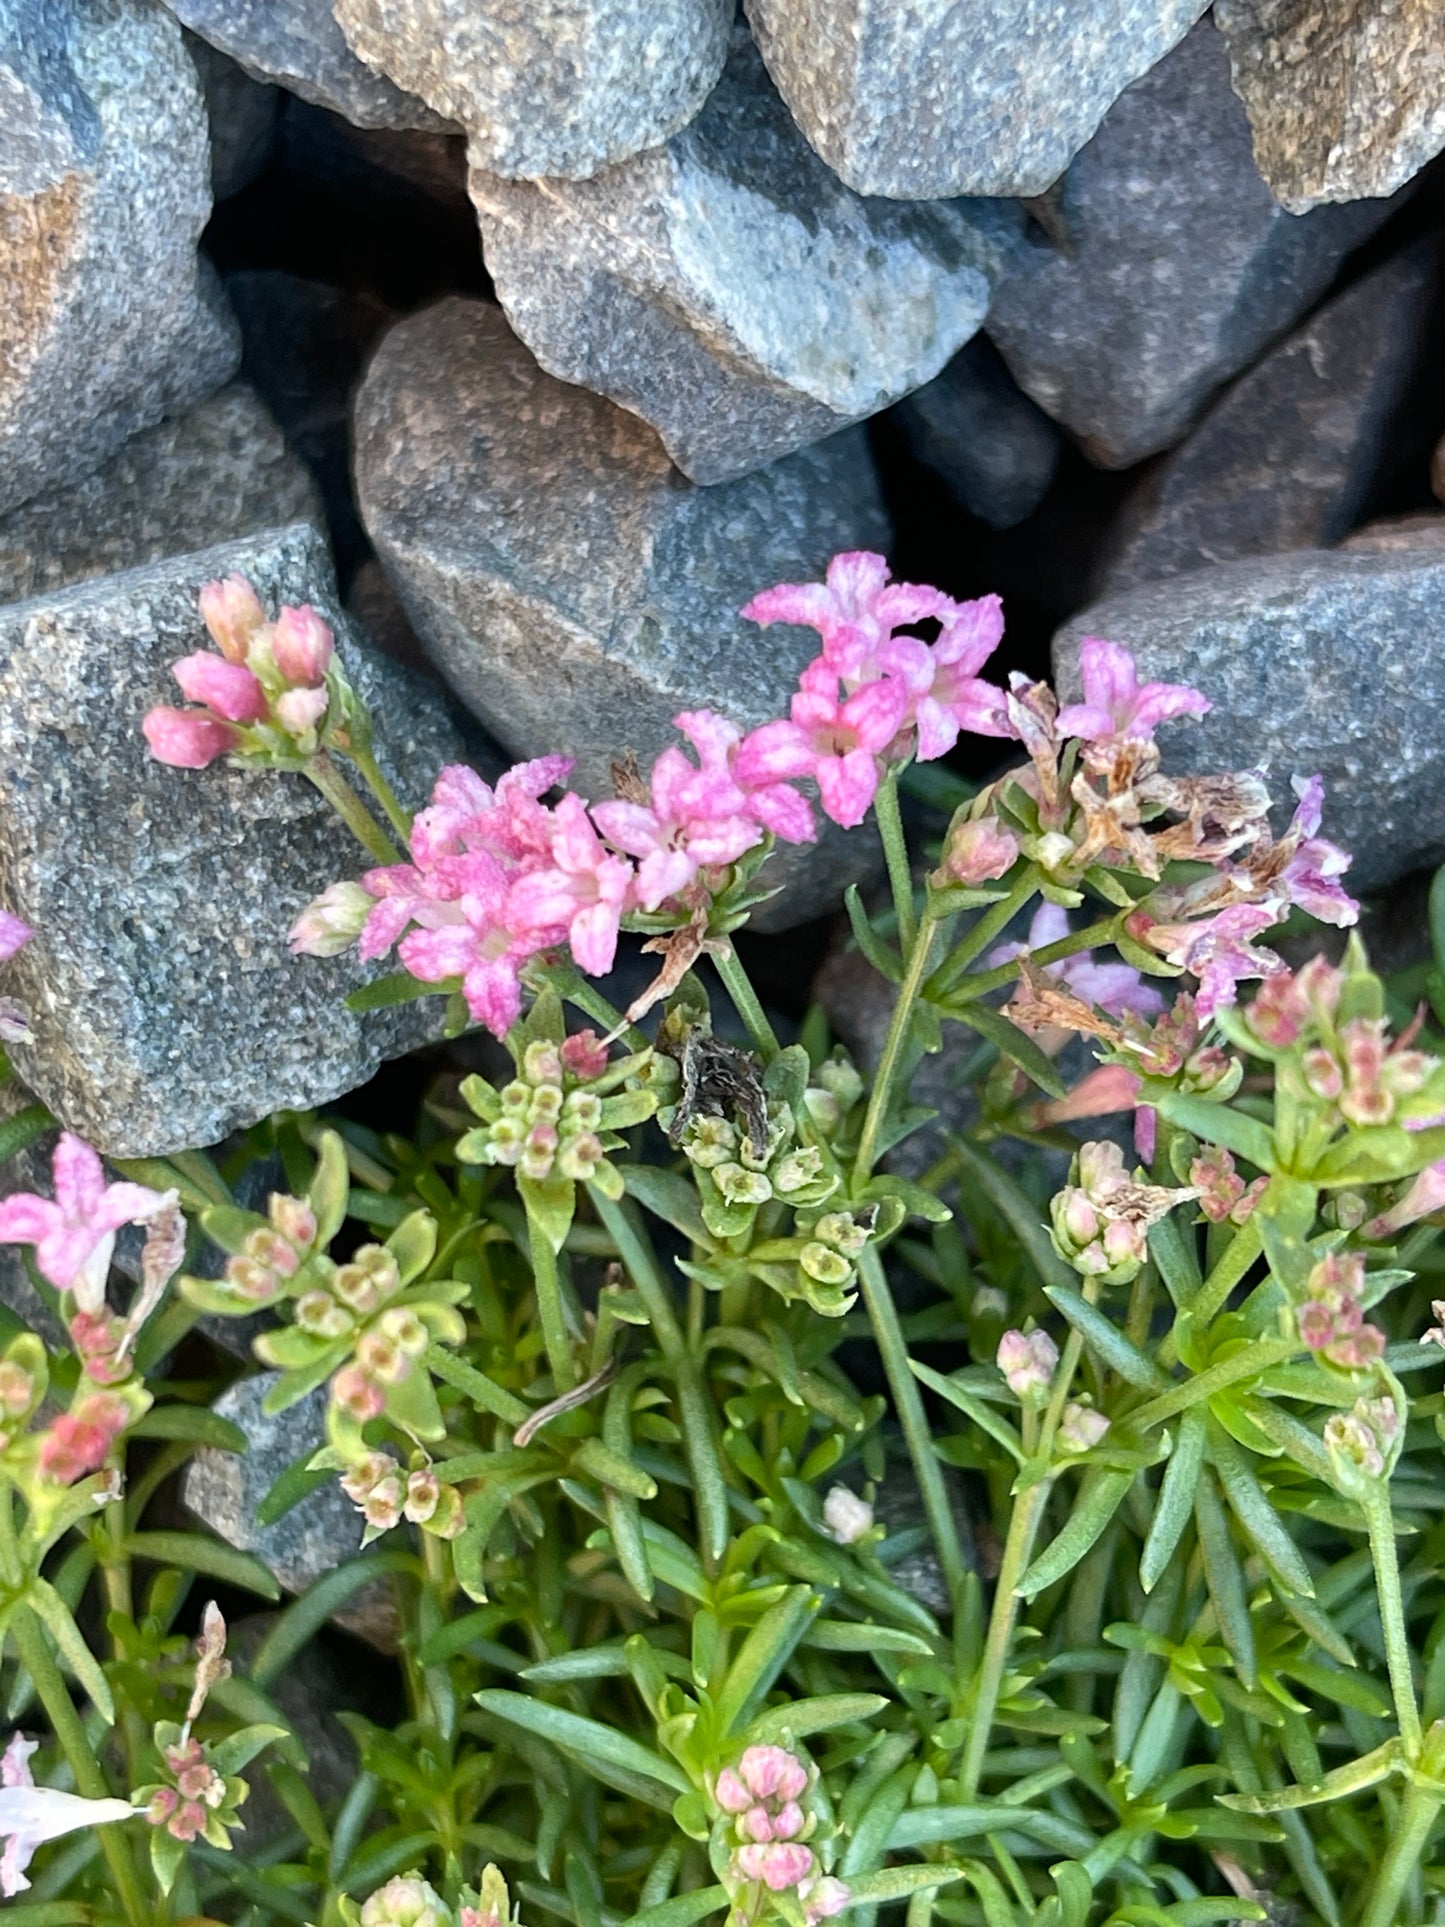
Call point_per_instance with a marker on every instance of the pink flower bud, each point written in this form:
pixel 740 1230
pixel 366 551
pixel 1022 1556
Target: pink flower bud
pixel 584 1055
pixel 824 1898
pixel 232 613
pixel 756 1824
pixel 187 738
pixel 1081 1427
pixel 293 1218
pixel 772 1771
pixel 1112 1087
pixel 1027 1361
pixel 302 645
pixel 979 852
pixel 730 1793
pixel 227 688
pixel 1425 1195
pixel 300 710
pixel 357 1395
pixel 779 1866
pixel 788 1821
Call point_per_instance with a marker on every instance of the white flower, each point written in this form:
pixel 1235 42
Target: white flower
pixel 31 1815
pixel 847 1516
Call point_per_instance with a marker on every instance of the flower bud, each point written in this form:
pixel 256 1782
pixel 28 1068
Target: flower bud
pixel 1027 1361
pixel 584 1055
pixel 256 1283
pixel 294 1219
pixel 331 922
pixel 298 711
pixel 542 1063
pixel 846 1516
pixel 382 1359
pixel 187 738
pixel 402 1325
pixel 1081 1428
pixel 228 689
pixel 317 1312
pixel 232 613
pixel 580 1156
pixel 582 1111
pixel 354 1393
pixel 978 852
pixel 302 646
pixel 406 1901
pixel 368 1280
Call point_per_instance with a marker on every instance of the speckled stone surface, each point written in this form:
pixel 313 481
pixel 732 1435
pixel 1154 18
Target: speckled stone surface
pixel 166 1008
pixel 975 429
pixel 934 98
pixel 1346 97
pixel 48 124
pixel 244 114
pixel 299 44
pixel 572 587
pixel 1177 265
pixel 730 290
pixel 549 87
pixel 224 1489
pixel 1286 459
pixel 1316 660
pixel 110 320
pixel 219 470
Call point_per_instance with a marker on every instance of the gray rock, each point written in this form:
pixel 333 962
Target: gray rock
pixel 167 1010
pixel 982 436
pixel 560 88
pixel 298 44
pixel 1288 457
pixel 311 1691
pixel 935 99
pixel 50 126
pixel 1395 534
pixel 1316 660
pixel 220 470
pixel 243 113
pixel 730 290
pixel 1345 101
pixel 109 321
pixel 1177 265
pixel 224 1489
pixel 572 587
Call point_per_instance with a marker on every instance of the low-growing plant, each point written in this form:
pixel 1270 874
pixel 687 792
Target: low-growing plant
pixel 1046 1539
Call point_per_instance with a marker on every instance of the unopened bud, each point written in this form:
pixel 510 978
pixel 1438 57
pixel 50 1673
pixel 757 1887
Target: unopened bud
pixel 302 646
pixel 846 1516
pixel 232 612
pixel 1027 1361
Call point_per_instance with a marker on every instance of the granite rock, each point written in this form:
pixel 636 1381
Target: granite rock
pixel 730 290
pixel 166 1008
pixel 299 45
pixel 975 429
pixel 938 99
pixel 1393 534
pixel 110 322
pixel 50 126
pixel 549 87
pixel 572 587
pixel 1346 98
pixel 1288 457
pixel 1174 267
pixel 222 469
pixel 1316 660
pixel 244 114
pixel 224 1489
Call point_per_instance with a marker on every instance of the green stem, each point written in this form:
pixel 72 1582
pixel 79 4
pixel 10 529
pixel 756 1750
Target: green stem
pixel 573 988
pixel 35 1657
pixel 1018 1549
pixel 549 1307
pixel 1244 1247
pixel 1392 1618
pixel 1049 953
pixel 745 1002
pixel 908 1403
pixel 1419 1810
pixel 878 1097
pixel 391 806
pixel 895 851
pixel 350 808
pixel 996 918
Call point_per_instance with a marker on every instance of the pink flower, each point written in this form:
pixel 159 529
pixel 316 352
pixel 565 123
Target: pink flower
pixel 855 611
pixel 31 1815
pixel 954 698
pixel 510 822
pixel 1113 987
pixel 1308 876
pixel 1425 1196
pixel 584 1055
pixel 14 935
pixel 581 897
pixel 1108 1088
pixel 697 816
pixel 1220 952
pixel 75 1235
pixel 233 614
pixel 229 689
pixel 187 738
pixel 1116 704
pixel 78 1441
pixel 836 743
pixel 302 646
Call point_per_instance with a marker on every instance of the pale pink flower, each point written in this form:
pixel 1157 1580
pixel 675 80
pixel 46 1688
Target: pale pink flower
pixel 771 1772
pixel 232 612
pixel 584 1055
pixel 31 1815
pixel 1081 1428
pixel 302 646
pixel 1116 704
pixel 14 935
pixel 955 699
pixel 228 689
pixel 188 738
pixel 1425 1196
pixel 1113 987
pixel 823 1897
pixel 300 710
pixel 80 1440
pixel 1107 1088
pixel 847 1517
pixel 779 1865
pixel 582 896
pixel 509 822
pixel 978 851
pixel 74 1235
pixel 837 743
pixel 855 611
pixel 1308 877
pixel 1220 952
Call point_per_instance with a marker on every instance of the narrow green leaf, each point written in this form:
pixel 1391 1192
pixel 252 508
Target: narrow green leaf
pixel 48 1606
pixel 304 1617
pixel 897 1883
pixel 1224 1576
pixel 671 1196
pixel 192 1422
pixel 1213 1123
pixel 1175 1504
pixel 1104 1337
pixel 1017 1209
pixel 762 1656
pixel 17 1134
pixel 609 1754
pixel 1251 1361
pixel 883 959
pixel 1367 1771
pixel 1010 1041
pixel 192 1553
pixel 293 1485
pixel 1250 1504
pixel 397 987
pixel 683 1909
pixel 818 1715
pixel 1100 1496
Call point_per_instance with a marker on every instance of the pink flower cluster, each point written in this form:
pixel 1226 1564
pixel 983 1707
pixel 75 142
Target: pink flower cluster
pixel 80 1440
pixel 266 689
pixel 1332 1321
pixel 763 1796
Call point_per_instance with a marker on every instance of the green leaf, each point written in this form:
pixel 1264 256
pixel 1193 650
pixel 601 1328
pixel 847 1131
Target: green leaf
pixel 897 1883
pixel 1011 1042
pixel 1251 1361
pixel 192 1553
pixel 613 1468
pixel 683 1909
pixel 17 1134
pixel 484 1392
pixel 978 1409
pixel 819 1715
pixel 668 1195
pixel 1100 1496
pixel 920 1203
pixel 1175 1504
pixel 1213 1123
pixel 236 1752
pixel 167 1853
pixel 610 1755
pixel 551 1203
pixel 1104 1337
pixel 883 959
pixel 762 1656
pixel 1172 1247
pixel 413 1244
pixel 1224 1576
pixel 858 1636
pixel 294 1629
pixel 48 1606
pixel 1250 1505
pixel 1369 1770
pixel 396 987
pixel 191 1422
pixel 296 1483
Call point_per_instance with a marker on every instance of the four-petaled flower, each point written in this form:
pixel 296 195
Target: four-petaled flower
pixel 31 1815
pixel 74 1234
pixel 1116 704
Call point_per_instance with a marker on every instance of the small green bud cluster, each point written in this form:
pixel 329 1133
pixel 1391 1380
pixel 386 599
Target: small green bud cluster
pixel 734 1177
pixel 384 1494
pixel 1101 1219
pixel 546 1120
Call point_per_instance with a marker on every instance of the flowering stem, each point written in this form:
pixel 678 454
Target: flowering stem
pixel 908 1403
pixel 370 772
pixel 45 1676
pixel 549 1307
pixel 1409 1836
pixel 895 850
pixel 1243 1248
pixel 745 1002
pixel 893 1045
pixel 350 808
pixel 1392 1616
pixel 996 918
